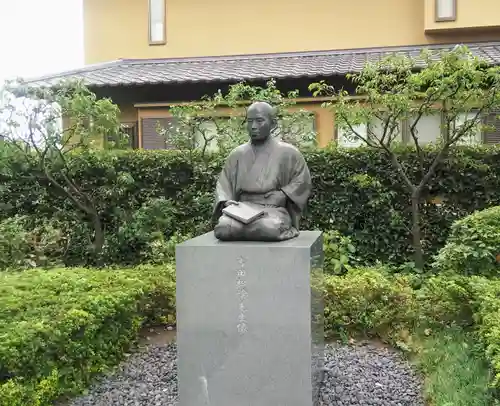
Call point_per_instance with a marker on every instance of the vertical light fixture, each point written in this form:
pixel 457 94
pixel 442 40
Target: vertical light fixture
pixel 157 22
pixel 446 10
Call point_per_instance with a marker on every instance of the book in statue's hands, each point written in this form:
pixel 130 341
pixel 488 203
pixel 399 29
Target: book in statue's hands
pixel 242 212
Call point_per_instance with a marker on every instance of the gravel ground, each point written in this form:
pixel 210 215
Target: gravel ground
pixel 369 375
pixel 361 374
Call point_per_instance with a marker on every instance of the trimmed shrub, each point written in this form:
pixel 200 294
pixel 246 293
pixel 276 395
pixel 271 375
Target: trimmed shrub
pixel 473 247
pixel 356 192
pixel 366 301
pixel 374 302
pixel 446 301
pixel 59 328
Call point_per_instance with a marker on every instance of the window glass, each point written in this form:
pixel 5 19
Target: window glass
pixel 156 21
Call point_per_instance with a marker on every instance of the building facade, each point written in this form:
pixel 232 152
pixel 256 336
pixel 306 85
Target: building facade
pixel 150 54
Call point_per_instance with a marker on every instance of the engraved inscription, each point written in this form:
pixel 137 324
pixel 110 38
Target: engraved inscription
pixel 241 290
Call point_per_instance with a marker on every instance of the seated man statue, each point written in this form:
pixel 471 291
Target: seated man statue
pixel 266 174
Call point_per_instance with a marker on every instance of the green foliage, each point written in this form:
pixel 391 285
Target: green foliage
pixel 473 246
pixel 446 301
pixel 373 301
pixel 456 371
pixel 397 92
pixel 13 243
pixel 32 119
pixel 202 127
pixel 339 252
pixel 368 302
pixel 488 320
pixel 61 327
pixel 45 127
pixel 455 83
pixel 143 235
pixel 24 245
pixel 354 192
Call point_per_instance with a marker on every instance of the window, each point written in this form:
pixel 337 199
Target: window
pixel 475 135
pixel 297 129
pixel 157 18
pixel 428 129
pixel 492 133
pixel 377 128
pixel 446 10
pixel 207 135
pixel 127 138
pixel 131 130
pixel 348 140
pixel 151 138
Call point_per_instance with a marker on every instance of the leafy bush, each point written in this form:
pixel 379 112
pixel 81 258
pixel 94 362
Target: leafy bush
pixel 473 247
pixel 24 245
pixel 367 301
pixel 446 301
pixel 355 192
pixel 60 327
pixel 14 245
pixel 142 234
pixel 339 252
pixel 374 302
pixel 488 320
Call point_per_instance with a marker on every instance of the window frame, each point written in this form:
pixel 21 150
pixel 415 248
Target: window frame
pixel 453 16
pixel 164 23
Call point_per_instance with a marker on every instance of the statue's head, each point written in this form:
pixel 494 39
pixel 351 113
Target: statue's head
pixel 261 120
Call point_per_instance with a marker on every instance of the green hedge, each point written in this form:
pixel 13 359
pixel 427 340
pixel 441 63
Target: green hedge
pixel 367 302
pixel 59 328
pixel 355 192
pixel 374 302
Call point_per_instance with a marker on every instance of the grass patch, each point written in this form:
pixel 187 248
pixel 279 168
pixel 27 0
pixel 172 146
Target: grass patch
pixel 455 369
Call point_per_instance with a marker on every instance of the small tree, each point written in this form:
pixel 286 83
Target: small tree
pixel 205 126
pixel 48 125
pixel 399 90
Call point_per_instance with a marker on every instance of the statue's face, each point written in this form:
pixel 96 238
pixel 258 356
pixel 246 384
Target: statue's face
pixel 259 123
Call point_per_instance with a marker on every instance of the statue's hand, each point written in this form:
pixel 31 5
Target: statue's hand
pixel 230 202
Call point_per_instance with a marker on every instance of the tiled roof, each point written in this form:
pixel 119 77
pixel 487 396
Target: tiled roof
pixel 126 72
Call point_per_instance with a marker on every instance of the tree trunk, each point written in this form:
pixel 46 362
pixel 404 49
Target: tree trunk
pixel 98 242
pixel 415 231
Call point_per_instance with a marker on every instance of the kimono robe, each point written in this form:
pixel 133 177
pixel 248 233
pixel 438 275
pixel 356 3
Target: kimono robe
pixel 250 172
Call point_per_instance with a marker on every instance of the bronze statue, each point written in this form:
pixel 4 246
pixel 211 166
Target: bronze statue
pixel 266 180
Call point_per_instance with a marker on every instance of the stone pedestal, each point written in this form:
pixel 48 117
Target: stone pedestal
pixel 249 321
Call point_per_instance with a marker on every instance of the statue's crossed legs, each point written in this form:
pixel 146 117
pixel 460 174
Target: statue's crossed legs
pixel 275 225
